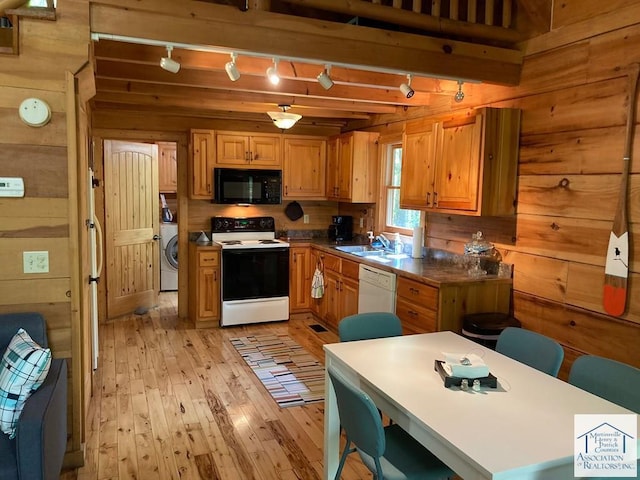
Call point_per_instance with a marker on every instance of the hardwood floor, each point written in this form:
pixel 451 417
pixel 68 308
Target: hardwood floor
pixel 173 402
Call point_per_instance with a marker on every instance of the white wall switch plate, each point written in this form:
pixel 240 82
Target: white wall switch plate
pixel 305 218
pixel 361 222
pixel 35 262
pixel 11 187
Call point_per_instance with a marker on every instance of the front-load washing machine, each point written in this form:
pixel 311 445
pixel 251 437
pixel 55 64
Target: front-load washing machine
pixel 168 256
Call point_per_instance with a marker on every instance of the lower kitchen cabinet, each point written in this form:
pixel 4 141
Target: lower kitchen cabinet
pixel 204 285
pixel 300 273
pixel 340 290
pixel 423 308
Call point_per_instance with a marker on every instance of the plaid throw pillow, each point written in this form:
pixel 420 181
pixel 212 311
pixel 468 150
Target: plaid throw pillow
pixel 23 369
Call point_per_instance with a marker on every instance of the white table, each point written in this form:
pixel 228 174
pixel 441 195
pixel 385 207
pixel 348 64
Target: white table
pixel 522 430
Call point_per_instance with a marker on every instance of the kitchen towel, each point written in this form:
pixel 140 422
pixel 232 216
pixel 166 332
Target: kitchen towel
pixel 416 247
pixel 317 284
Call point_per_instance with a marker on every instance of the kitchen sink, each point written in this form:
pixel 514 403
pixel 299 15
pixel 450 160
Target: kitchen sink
pixel 356 249
pixel 367 251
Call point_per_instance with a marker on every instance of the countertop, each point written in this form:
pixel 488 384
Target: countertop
pixel 433 270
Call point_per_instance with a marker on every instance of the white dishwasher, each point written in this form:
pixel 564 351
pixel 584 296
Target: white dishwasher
pixel 377 290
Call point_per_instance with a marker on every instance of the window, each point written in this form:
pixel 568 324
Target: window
pixel 396 219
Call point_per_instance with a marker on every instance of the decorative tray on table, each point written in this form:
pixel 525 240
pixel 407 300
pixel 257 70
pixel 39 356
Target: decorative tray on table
pixel 449 381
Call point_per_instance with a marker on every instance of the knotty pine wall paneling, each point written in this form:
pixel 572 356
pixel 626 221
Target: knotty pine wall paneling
pixel 41 221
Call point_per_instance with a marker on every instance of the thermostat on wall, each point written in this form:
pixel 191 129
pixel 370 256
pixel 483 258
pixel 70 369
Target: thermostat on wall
pixel 11 187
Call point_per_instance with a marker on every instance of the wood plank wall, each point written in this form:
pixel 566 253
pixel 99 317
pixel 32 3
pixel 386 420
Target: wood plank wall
pixel 40 220
pixel 573 99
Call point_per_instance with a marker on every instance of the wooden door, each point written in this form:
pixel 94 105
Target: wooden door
pixel 418 155
pixel 304 168
pixel 457 176
pixel 131 229
pixel 333 188
pixel 345 161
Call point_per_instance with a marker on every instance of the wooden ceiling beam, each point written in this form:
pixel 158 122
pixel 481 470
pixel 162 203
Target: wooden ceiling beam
pixel 319 41
pixel 337 107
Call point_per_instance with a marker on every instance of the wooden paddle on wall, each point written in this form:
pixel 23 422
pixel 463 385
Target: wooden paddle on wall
pixel 617 262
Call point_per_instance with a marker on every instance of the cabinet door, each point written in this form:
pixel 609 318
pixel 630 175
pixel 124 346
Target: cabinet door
pixel 264 151
pixel 167 168
pixel 304 168
pixel 331 298
pixel 232 149
pixel 418 165
pixel 457 176
pixel 203 158
pixel 333 188
pixel 348 298
pixel 345 159
pixel 208 293
pixel 299 279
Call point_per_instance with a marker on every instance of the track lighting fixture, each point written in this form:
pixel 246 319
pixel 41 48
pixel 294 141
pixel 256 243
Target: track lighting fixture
pixel 459 94
pixel 406 89
pixel 283 119
pixel 169 64
pixel 272 73
pixel 231 69
pixel 324 79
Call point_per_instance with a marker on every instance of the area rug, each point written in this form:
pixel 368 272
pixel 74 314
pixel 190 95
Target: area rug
pixel 289 373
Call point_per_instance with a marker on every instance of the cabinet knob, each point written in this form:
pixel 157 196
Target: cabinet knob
pixel 428 198
pixel 435 199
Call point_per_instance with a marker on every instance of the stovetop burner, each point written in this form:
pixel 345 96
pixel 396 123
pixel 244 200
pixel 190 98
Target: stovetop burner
pixel 232 242
pixel 268 242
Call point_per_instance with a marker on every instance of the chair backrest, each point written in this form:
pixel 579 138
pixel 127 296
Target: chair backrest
pixel 32 322
pixel 614 381
pixel 531 348
pixel 358 416
pixel 364 326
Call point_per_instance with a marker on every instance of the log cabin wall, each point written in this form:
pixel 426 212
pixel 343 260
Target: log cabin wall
pixel 573 96
pixel 50 52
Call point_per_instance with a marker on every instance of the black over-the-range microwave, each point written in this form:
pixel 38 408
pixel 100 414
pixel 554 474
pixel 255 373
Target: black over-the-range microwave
pixel 249 187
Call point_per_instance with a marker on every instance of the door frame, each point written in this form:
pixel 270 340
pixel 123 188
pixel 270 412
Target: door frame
pixel 182 143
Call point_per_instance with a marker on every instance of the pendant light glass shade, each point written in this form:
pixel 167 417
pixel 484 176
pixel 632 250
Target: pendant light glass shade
pixel 284 120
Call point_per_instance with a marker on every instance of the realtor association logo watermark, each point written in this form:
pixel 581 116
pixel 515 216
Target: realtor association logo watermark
pixel 606 446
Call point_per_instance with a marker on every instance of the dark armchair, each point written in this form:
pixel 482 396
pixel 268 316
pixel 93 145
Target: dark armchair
pixel 38 448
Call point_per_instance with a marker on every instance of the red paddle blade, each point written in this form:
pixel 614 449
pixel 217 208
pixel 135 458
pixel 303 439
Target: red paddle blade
pixel 615 298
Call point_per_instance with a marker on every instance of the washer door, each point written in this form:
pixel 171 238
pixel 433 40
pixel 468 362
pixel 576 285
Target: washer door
pixel 171 252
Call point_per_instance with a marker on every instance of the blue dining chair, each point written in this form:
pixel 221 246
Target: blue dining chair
pixel 388 452
pixel 531 348
pixel 614 381
pixel 364 326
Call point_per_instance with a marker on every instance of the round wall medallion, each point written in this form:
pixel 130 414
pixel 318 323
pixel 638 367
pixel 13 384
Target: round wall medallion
pixel 35 112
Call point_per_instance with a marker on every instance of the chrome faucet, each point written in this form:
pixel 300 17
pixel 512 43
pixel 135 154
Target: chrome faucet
pixel 384 240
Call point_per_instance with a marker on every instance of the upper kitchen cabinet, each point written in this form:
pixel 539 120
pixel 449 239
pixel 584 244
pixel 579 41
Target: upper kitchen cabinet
pixel 202 148
pixel 304 167
pixel 167 167
pixel 352 167
pixel 249 150
pixel 465 164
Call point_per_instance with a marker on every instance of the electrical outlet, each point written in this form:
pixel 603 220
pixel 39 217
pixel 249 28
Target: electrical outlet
pixel 305 218
pixel 35 262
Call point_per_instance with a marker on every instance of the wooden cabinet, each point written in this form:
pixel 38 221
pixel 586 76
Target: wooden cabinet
pixel 204 285
pixel 352 167
pixel 304 168
pixel 202 149
pixel 300 276
pixel 167 167
pixel 341 290
pixel 424 308
pixel 250 150
pixel 462 164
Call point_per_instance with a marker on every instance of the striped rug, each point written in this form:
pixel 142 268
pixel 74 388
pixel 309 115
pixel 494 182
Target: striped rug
pixel 290 374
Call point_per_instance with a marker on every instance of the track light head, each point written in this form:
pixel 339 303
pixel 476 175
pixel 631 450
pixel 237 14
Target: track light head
pixel 324 79
pixel 232 69
pixel 272 73
pixel 406 89
pixel 459 96
pixel 169 64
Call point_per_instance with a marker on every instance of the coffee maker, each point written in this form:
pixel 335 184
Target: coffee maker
pixel 341 228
